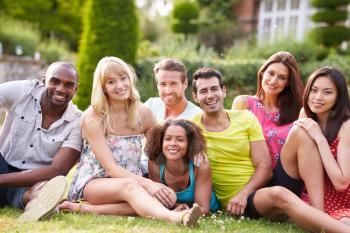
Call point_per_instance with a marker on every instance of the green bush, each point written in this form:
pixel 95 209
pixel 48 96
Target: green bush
pixel 330 16
pixel 338 61
pixel 185 14
pixel 330 36
pixel 329 3
pixel 305 51
pixel 110 28
pixel 16 33
pixel 330 12
pixel 178 48
pixel 53 50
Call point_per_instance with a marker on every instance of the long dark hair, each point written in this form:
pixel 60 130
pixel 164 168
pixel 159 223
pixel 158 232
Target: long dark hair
pixel 195 139
pixel 340 112
pixel 290 99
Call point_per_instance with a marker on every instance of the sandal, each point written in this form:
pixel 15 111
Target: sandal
pixel 50 195
pixel 194 214
pixel 77 210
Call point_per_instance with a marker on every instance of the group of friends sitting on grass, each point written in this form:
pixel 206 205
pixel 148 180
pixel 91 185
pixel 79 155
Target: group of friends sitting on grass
pixel 281 153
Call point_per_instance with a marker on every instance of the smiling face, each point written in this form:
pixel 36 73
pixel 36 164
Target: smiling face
pixel 322 96
pixel 61 84
pixel 117 87
pixel 175 143
pixel 210 96
pixel 171 86
pixel 275 78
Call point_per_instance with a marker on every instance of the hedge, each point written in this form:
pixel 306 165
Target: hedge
pixel 110 28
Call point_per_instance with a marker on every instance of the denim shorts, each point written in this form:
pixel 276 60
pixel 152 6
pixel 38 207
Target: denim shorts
pixel 10 196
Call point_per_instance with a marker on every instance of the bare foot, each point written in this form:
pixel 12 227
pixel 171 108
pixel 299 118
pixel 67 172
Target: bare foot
pixel 69 206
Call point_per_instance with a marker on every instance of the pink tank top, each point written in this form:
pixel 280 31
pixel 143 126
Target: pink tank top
pixel 275 135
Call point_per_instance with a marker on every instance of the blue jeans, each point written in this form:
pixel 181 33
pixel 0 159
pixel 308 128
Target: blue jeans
pixel 10 196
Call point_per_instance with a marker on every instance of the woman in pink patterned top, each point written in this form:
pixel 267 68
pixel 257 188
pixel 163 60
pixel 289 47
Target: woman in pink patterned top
pixel 278 100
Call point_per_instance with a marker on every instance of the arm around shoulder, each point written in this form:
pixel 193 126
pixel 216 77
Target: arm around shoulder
pixel 240 102
pixel 203 187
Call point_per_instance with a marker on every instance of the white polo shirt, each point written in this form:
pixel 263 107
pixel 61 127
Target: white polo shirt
pixel 157 106
pixel 24 144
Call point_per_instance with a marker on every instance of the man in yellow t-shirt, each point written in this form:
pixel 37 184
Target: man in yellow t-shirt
pixel 236 147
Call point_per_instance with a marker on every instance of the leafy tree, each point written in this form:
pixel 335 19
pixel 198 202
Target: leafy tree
pixel 332 14
pixel 55 18
pixel 217 25
pixel 185 14
pixel 110 28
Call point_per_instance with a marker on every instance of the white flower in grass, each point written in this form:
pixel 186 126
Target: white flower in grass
pixel 242 217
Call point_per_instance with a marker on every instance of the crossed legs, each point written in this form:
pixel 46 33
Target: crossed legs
pixel 125 196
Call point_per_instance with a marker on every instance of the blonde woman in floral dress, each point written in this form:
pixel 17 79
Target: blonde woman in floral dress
pixel 108 176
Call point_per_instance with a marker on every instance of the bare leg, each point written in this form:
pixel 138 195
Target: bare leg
pixel 301 160
pixel 123 208
pixel 276 203
pixel 345 220
pixel 119 190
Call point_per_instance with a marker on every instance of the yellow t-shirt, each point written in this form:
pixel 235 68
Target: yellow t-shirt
pixel 229 153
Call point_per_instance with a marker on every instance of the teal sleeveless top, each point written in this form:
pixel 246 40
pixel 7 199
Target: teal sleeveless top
pixel 187 196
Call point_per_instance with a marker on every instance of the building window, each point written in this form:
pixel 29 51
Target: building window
pixel 292 30
pixel 294 4
pixel 281 5
pixel 268 5
pixel 279 28
pixel 266 29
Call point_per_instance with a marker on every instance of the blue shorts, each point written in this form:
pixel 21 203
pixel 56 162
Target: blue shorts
pixel 10 196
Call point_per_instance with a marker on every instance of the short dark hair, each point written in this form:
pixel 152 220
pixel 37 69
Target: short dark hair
pixel 206 72
pixel 341 109
pixel 196 141
pixel 171 64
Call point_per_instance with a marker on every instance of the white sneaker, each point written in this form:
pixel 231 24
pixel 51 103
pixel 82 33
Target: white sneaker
pixel 50 195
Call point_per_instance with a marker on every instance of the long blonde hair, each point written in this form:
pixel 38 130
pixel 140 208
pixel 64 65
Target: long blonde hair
pixel 99 100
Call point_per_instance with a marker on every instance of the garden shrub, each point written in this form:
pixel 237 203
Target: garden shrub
pixel 110 28
pixel 333 15
pixel 185 14
pixel 53 50
pixel 305 51
pixel 16 33
pixel 330 16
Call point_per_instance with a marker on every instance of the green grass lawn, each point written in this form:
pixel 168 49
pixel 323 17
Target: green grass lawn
pixel 69 222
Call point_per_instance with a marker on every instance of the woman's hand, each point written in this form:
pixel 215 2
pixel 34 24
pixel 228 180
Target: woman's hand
pixel 312 128
pixel 164 194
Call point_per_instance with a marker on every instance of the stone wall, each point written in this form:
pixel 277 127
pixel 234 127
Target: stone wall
pixel 20 68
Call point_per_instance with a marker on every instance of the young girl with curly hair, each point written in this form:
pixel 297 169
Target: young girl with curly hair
pixel 171 149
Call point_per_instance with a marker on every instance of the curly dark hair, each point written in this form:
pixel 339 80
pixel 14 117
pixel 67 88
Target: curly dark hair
pixel 196 141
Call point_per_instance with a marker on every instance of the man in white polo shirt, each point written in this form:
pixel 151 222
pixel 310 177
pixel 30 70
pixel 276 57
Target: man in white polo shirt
pixel 171 79
pixel 40 139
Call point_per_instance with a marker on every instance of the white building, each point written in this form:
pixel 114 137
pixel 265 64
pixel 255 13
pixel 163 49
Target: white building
pixel 290 19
